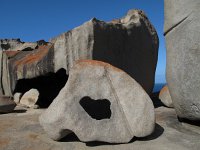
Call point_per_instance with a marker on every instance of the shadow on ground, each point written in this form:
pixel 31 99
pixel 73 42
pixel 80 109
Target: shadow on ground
pixel 155 99
pixel 48 85
pixel 157 133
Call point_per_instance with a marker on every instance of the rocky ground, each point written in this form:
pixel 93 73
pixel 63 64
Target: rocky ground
pixel 21 130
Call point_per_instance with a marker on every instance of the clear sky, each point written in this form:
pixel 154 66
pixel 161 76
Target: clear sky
pixel 32 20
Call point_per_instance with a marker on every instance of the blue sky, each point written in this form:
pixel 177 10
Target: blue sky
pixel 32 20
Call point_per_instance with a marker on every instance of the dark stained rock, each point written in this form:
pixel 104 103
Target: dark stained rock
pixel 130 43
pixel 16 44
pixel 182 34
pixel 6 104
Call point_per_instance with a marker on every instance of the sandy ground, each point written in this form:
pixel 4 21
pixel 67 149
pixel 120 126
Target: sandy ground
pixel 20 130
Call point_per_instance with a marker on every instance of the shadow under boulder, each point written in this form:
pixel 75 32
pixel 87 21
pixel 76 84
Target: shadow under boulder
pixel 48 86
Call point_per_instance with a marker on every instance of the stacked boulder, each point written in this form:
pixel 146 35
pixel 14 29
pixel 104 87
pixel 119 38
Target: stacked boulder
pixel 182 34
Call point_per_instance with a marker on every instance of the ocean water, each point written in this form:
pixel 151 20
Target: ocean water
pixel 158 87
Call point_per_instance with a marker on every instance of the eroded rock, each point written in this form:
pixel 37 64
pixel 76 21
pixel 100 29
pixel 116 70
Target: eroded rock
pixel 91 87
pixel 182 34
pixel 130 43
pixel 25 64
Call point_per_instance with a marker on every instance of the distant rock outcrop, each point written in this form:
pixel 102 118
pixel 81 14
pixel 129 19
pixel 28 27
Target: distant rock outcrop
pixel 130 43
pixel 100 103
pixel 24 62
pixel 182 34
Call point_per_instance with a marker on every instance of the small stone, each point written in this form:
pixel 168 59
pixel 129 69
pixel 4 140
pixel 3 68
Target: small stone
pixel 165 97
pixel 17 97
pixel 30 98
pixel 99 103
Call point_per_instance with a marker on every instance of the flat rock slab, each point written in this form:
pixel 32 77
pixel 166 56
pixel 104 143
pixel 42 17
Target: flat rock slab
pixel 21 130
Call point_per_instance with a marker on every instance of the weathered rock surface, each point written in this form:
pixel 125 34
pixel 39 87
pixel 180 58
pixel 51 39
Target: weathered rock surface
pixel 21 130
pixel 165 97
pixel 6 104
pixel 30 98
pixel 25 64
pixel 129 110
pixel 18 45
pixel 182 34
pixel 130 43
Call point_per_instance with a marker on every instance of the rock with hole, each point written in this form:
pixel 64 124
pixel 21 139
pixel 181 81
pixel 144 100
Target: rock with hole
pixel 165 97
pixel 182 34
pixel 130 43
pixel 99 103
pixel 30 98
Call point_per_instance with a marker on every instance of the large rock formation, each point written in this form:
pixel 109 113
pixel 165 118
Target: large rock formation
pixel 130 43
pixel 24 61
pixel 182 33
pixel 103 101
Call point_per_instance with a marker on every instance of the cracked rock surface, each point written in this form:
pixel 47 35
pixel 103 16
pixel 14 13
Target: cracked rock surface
pixel 130 111
pixel 182 34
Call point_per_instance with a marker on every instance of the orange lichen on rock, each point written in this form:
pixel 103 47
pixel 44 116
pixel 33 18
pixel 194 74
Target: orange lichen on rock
pixel 34 57
pixel 98 63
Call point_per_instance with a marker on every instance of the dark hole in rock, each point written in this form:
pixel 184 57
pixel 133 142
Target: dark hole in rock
pixel 48 86
pixel 27 49
pixel 97 109
pixel 5 46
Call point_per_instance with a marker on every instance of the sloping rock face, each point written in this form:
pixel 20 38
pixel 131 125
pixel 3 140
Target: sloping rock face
pixel 25 64
pixel 165 97
pixel 182 34
pixel 103 101
pixel 130 43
